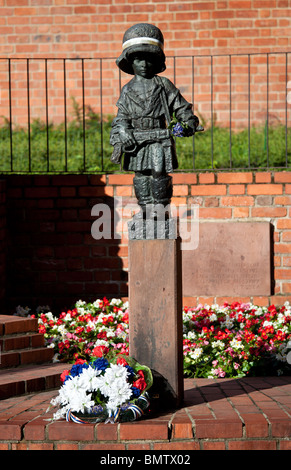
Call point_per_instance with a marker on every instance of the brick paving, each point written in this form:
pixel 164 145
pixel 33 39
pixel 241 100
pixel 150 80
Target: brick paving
pixel 223 414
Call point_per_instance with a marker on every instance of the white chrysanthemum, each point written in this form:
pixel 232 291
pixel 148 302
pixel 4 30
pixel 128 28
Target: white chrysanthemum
pixel 89 379
pixel 113 385
pixel 81 401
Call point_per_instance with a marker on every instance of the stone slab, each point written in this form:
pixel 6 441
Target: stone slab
pixel 232 259
pixel 155 302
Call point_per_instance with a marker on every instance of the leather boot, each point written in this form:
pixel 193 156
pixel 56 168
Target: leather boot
pixel 142 188
pixel 162 191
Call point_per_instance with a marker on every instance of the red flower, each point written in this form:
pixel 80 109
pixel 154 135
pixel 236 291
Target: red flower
pixel 99 351
pixel 140 382
pixel 64 375
pixel 80 361
pixel 102 335
pixel 42 329
pixel 107 320
pixel 121 361
pixel 125 318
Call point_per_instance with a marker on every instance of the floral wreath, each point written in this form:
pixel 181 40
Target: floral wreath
pixel 103 389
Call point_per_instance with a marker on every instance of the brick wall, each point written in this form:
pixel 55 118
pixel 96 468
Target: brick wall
pixel 91 29
pixel 53 258
pixel 2 242
pixel 95 28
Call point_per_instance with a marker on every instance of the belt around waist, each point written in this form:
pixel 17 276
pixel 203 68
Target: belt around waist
pixel 148 123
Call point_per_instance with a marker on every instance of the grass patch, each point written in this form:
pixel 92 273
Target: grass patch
pixel 83 146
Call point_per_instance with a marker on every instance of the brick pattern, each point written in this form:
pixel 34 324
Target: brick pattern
pixel 231 414
pixel 20 343
pixel 71 27
pixel 54 259
pixel 80 28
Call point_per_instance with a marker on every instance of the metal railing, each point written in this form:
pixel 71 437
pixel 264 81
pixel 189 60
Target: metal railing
pixel 55 113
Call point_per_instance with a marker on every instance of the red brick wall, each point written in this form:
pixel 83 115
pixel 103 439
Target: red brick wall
pixel 2 242
pixel 93 29
pixel 54 259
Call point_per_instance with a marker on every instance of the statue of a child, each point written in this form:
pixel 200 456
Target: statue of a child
pixel 145 108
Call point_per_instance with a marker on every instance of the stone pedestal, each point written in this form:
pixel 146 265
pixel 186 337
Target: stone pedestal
pixel 155 302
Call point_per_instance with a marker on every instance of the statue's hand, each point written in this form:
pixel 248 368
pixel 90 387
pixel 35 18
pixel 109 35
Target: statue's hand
pixel 190 130
pixel 126 137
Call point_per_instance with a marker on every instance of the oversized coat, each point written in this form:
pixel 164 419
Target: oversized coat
pixel 157 107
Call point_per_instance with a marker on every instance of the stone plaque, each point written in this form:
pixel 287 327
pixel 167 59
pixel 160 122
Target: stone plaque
pixel 232 259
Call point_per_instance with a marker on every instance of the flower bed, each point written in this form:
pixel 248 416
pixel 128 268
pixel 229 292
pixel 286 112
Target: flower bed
pixel 218 341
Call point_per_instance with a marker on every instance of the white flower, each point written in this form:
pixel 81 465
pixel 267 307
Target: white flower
pixel 113 384
pixel 89 379
pixel 67 317
pixel 196 353
pixel 259 311
pixel 191 335
pixel 101 342
pixel 81 310
pixel 228 323
pixel 235 344
pixel 213 317
pixel 217 344
pixel 98 303
pixel 110 332
pixel 115 302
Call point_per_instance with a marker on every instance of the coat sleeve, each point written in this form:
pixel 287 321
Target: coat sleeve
pixel 180 106
pixel 122 120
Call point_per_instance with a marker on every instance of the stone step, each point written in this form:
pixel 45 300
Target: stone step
pixel 11 324
pixel 21 341
pixel 19 357
pixel 25 362
pixel 30 378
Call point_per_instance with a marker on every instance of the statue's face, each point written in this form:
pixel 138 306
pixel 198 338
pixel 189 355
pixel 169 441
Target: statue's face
pixel 143 65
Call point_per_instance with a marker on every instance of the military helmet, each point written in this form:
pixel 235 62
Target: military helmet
pixel 142 37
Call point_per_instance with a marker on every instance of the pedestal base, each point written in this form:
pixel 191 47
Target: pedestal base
pixel 155 302
pixel 150 229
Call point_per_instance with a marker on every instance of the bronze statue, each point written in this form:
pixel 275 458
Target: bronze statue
pixel 143 129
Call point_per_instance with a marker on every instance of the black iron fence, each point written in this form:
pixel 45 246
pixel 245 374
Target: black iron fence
pixel 55 113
